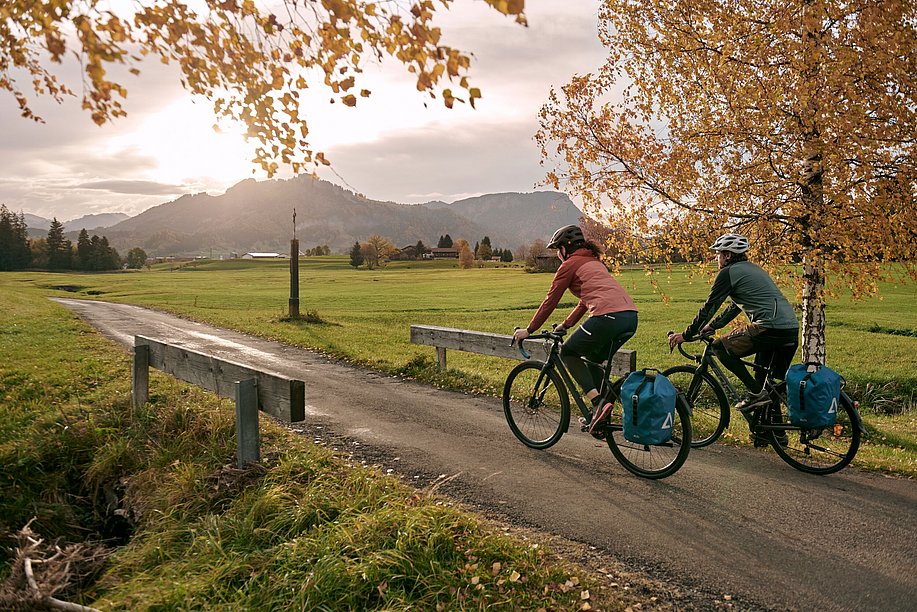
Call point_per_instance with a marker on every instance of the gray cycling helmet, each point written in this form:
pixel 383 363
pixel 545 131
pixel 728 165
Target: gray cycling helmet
pixel 568 234
pixel 734 243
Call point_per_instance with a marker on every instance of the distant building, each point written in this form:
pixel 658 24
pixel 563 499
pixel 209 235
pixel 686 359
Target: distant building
pixel 262 255
pixel 445 253
pixel 408 252
pixel 547 262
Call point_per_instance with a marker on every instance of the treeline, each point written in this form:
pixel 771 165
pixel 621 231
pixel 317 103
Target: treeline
pixel 56 251
pixel 482 251
pixel 377 249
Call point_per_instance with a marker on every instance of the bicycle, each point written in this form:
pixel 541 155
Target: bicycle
pixel 710 394
pixel 536 403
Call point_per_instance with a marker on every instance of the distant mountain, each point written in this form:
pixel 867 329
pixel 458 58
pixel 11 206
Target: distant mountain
pixel 514 218
pixel 39 226
pixel 257 216
pixel 91 222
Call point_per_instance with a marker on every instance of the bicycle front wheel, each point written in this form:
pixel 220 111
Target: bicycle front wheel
pixel 649 460
pixel 706 400
pixel 536 404
pixel 822 451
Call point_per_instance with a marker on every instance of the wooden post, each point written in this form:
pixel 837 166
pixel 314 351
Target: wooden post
pixel 294 278
pixel 441 357
pixel 140 392
pixel 247 435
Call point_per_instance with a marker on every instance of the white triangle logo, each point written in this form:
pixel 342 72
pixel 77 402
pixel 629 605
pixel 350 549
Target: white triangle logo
pixel 833 409
pixel 668 421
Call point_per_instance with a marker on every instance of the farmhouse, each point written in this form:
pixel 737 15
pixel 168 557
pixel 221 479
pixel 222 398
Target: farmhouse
pixel 547 262
pixel 443 253
pixel 262 255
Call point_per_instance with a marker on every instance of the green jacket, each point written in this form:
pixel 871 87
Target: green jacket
pixel 753 292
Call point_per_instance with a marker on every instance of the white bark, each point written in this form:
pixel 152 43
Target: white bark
pixel 813 310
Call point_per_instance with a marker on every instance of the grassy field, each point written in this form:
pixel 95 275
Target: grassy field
pixel 364 317
pixel 308 529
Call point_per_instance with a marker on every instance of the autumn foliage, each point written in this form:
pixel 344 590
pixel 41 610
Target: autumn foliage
pixel 790 122
pixel 253 64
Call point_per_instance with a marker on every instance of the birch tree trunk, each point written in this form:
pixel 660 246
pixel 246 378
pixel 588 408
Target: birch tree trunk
pixel 813 309
pixel 813 197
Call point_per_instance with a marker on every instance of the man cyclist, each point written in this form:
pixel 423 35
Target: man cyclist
pixel 612 314
pixel 772 334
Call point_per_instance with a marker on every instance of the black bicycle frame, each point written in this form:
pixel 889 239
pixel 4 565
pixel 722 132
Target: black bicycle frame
pixel 554 361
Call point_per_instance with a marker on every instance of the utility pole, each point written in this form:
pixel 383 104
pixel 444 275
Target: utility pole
pixel 294 272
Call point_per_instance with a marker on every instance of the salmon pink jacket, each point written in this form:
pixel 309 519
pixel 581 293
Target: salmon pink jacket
pixel 588 279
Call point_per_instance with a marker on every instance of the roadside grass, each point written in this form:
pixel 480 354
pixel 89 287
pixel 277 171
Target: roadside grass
pixel 306 529
pixel 364 317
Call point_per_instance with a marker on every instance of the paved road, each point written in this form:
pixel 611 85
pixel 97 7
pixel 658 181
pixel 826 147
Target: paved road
pixel 731 521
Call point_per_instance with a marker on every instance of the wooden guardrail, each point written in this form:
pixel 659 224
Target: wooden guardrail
pixel 497 345
pixel 252 389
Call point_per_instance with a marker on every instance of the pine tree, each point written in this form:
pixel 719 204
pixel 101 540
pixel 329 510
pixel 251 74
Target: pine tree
pixel 356 255
pixel 15 253
pixel 83 251
pixel 60 249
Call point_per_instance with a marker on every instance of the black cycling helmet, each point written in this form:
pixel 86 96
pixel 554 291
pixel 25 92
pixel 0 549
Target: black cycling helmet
pixel 567 235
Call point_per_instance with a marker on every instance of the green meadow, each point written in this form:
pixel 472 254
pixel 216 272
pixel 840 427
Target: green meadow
pixel 308 529
pixel 364 316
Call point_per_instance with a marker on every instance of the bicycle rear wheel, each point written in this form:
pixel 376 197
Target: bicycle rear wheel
pixel 536 404
pixel 822 451
pixel 649 460
pixel 707 401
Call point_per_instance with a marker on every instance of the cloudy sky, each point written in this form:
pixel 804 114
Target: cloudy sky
pixel 390 147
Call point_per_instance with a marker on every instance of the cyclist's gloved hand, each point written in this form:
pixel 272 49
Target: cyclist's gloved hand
pixel 560 329
pixel 520 334
pixel 706 330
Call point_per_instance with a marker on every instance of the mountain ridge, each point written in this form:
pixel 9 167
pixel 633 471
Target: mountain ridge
pixel 258 216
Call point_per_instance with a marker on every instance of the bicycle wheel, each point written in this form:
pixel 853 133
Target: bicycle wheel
pixel 536 404
pixel 649 460
pixel 822 451
pixel 707 401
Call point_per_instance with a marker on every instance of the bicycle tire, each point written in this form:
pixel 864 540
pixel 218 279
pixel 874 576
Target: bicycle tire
pixel 709 406
pixel 537 416
pixel 830 450
pixel 649 461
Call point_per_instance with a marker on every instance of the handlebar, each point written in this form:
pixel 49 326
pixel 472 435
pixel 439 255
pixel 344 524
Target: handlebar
pixel 553 336
pixel 708 338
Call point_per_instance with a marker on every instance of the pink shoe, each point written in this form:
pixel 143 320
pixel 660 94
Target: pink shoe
pixel 600 416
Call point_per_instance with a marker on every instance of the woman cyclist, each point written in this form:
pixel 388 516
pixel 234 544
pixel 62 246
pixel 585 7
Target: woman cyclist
pixel 612 314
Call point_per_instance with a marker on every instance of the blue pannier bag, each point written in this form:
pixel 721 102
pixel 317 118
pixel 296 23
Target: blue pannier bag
pixel 649 407
pixel 812 395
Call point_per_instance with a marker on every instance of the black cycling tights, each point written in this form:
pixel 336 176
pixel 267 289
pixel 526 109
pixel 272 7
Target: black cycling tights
pixel 735 365
pixel 595 340
pixel 776 358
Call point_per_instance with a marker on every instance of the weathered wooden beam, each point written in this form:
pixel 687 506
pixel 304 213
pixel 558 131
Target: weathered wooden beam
pixel 247 434
pixel 278 396
pixel 498 345
pixel 140 388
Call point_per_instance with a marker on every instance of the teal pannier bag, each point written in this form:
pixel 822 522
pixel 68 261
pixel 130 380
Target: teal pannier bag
pixel 812 395
pixel 649 407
